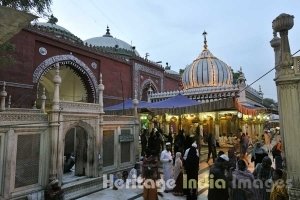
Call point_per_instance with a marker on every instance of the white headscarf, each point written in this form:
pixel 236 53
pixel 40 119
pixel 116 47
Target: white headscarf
pixel 178 165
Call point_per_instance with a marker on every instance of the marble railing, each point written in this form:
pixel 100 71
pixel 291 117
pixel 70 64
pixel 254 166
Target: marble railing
pixel 22 117
pixel 199 93
pixel 70 106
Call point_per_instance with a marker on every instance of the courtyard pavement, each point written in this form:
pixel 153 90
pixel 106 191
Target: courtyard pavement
pixel 136 194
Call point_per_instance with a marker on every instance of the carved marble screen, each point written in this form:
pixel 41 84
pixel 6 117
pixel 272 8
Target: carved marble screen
pixel 108 147
pixel 27 160
pixel 125 147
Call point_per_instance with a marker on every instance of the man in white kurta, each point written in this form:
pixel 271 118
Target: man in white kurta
pixel 167 162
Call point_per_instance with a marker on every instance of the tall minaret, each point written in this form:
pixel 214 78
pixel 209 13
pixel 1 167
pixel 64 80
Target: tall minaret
pixel 288 85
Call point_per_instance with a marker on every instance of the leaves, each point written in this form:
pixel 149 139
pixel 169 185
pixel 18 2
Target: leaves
pixel 5 54
pixel 40 6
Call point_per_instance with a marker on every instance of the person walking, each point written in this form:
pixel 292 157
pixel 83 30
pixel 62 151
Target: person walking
pixel 218 187
pixel 191 166
pixel 178 175
pixel 144 141
pixel 169 138
pixel 276 153
pixel 279 189
pixel 239 189
pixel 267 138
pixel 166 159
pixel 179 142
pixel 264 171
pixel 150 175
pixel 258 153
pixel 211 141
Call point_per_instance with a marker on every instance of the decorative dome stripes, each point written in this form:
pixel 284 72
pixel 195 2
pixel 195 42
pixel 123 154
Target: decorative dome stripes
pixel 205 71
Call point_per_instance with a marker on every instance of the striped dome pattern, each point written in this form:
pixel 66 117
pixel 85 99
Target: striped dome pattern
pixel 207 71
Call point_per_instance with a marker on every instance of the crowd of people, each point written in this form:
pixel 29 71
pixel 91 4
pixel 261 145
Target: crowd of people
pixel 229 175
pixel 186 161
pixel 232 180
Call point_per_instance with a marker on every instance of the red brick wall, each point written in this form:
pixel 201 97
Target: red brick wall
pixel 117 74
pixel 171 84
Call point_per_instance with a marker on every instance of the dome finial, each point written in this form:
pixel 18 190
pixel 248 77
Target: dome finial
pixel 205 41
pixel 107 34
pixel 107 30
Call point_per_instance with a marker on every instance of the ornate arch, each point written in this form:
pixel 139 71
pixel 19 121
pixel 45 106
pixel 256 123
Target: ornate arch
pixel 145 84
pixel 70 60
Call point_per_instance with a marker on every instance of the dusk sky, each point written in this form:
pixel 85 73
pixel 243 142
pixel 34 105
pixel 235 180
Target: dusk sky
pixel 239 32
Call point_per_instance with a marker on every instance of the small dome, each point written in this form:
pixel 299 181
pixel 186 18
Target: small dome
pixel 172 72
pixel 53 26
pixel 57 31
pixel 108 40
pixel 206 71
pixel 169 71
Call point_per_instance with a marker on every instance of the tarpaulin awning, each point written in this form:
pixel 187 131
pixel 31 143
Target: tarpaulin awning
pixel 126 105
pixel 248 108
pixel 182 106
pixel 177 101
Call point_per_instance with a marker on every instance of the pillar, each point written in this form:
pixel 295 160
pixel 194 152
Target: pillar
pixel 43 98
pixel 3 95
pixel 135 103
pixel 55 126
pixel 288 91
pixel 217 131
pixel 57 82
pixel 101 89
pixel 99 137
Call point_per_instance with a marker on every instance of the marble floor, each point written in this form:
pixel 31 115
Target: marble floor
pixel 132 194
pixel 136 194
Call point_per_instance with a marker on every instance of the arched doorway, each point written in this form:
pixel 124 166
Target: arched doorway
pixel 75 152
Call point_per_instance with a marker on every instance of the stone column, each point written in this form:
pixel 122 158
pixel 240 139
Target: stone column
pixel 55 126
pixel 135 103
pixel 288 91
pixel 57 82
pixel 217 131
pixel 99 137
pixel 3 95
pixel 10 164
pixel 217 126
pixel 101 89
pixel 43 98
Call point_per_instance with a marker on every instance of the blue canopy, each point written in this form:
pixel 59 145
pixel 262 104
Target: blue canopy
pixel 178 101
pixel 127 105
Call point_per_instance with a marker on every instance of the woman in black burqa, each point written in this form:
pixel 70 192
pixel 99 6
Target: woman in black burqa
pixel 191 165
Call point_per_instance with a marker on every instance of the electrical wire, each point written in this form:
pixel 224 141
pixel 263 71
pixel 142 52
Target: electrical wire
pixel 264 75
